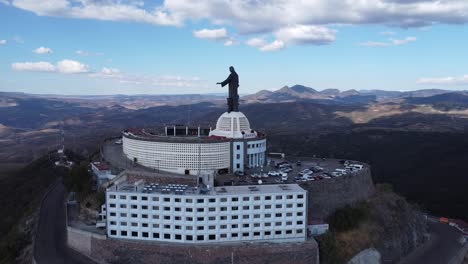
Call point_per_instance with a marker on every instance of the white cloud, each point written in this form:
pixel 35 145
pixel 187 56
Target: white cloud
pixel 463 80
pixel 87 53
pixel 3 41
pixel 306 34
pixel 256 42
pixel 71 66
pixel 213 34
pixel 42 50
pixel 63 66
pixel 40 66
pixel 273 46
pixel 262 45
pixel 276 19
pixel 403 41
pixel 392 42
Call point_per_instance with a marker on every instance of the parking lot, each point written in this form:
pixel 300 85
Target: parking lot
pixel 323 169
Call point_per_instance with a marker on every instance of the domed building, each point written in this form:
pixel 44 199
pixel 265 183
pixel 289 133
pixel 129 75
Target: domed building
pixel 231 147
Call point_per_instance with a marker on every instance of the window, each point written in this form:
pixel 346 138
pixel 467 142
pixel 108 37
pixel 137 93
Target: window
pixel 288 214
pixel 223 217
pixel 212 218
pixel 123 197
pixel 234 235
pixel 288 223
pixel 279 197
pixel 134 224
pixel 113 232
pixel 245 207
pixel 200 210
pixel 300 205
pixel 123 223
pixel 299 231
pixel 223 200
pixel 200 200
pixel 123 214
pixel 267 233
pixel 134 206
pixel 155 235
pixel 212 200
pixel 177 218
pixel 256 224
pixel 188 209
pixel 188 200
pixel 177 227
pixel 223 226
pixel 155 225
pixel 237 165
pixel 256 233
pixel 134 234
pixel 212 227
pixel 167 236
pixel 123 206
pixel 155 216
pixel 267 215
pixel 178 237
pixel 112 214
pixel 288 232
pixel 245 216
pixel 167 199
pixel 112 196
pixel 177 209
pixel 112 205
pixel 234 208
pixel 188 237
pixel 188 219
pixel 279 206
pixel 144 198
pixel 246 234
pixel 300 196
pixel 234 217
pixel 238 156
pixel 246 225
pixel 278 232
pixel 277 223
pixel 246 199
pixel 300 213
pixel 167 217
pixel 256 215
pixel 200 218
pixel 200 238
pixel 155 207
pixel 223 208
pixel 144 216
pixel 268 206
pixel 177 200
pixel 156 199
pixel 166 208
pixel 299 222
pixel 134 215
pixel 289 206
pixel 235 199
pixel 123 233
pixel 267 198
pixel 145 234
pixel 144 207
pixel 257 207
pixel 235 226
pixel 223 236
pixel 238 147
pixel 289 197
pixel 133 197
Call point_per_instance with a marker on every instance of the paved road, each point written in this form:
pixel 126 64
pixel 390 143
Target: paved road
pixel 50 246
pixel 442 247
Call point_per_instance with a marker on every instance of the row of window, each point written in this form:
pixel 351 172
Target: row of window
pixel 209 237
pixel 203 200
pixel 210 209
pixel 202 218
pixel 202 227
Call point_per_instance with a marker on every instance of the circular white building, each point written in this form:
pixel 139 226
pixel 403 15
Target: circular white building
pixel 232 146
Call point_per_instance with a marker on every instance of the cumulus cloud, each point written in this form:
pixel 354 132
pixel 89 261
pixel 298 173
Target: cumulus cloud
pixel 63 66
pixel 3 41
pixel 463 80
pixel 306 34
pixel 42 50
pixel 290 22
pixel 40 66
pixel 71 66
pixel 213 34
pixel 229 42
pixel 262 45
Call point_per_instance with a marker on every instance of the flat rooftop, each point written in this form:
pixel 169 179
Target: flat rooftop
pixel 182 189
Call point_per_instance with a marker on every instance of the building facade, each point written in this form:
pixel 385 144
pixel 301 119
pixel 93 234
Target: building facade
pixel 183 156
pixel 188 215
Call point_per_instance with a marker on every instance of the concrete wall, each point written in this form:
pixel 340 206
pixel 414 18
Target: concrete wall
pixel 104 250
pixel 326 196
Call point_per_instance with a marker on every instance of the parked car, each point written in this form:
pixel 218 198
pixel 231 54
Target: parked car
pixel 239 173
pixel 287 170
pixel 306 171
pixel 273 173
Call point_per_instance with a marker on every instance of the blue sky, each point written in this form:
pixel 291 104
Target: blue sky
pixel 175 46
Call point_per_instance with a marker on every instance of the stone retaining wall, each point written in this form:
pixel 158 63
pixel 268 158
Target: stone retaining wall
pixel 325 196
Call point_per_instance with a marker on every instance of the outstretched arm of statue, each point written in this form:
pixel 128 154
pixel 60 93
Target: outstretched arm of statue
pixel 223 83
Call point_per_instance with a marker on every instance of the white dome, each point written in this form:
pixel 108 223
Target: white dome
pixel 233 125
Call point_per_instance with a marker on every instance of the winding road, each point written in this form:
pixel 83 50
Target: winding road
pixel 51 239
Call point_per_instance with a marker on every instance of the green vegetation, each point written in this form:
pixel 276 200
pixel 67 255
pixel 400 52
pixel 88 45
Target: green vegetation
pixel 348 218
pixel 79 180
pixel 328 249
pixel 21 193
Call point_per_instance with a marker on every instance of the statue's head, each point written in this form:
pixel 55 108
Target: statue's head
pixel 231 69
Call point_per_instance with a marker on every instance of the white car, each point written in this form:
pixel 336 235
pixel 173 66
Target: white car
pixel 273 173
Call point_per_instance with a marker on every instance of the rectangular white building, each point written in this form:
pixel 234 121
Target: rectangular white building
pixel 178 213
